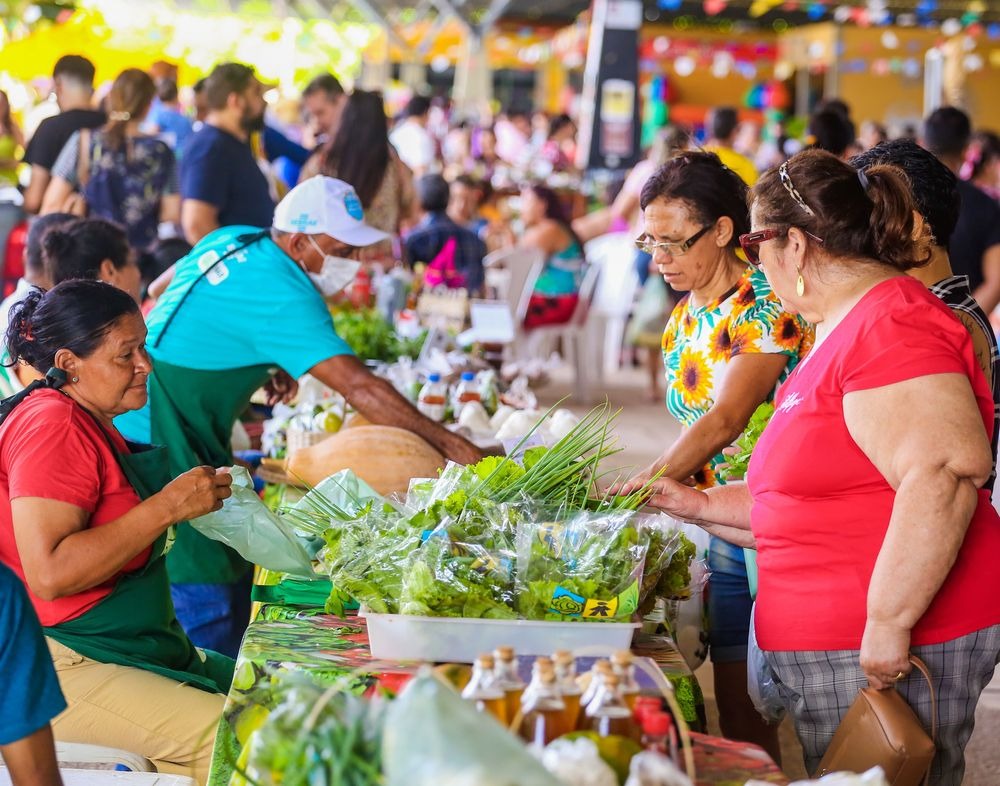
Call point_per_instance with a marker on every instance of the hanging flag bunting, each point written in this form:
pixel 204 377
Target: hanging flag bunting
pixel 816 11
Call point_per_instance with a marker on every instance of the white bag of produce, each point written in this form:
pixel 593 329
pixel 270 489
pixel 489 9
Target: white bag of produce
pixel 873 777
pixel 260 536
pixel 432 737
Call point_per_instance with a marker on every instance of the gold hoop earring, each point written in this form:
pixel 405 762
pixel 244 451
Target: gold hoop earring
pixel 800 284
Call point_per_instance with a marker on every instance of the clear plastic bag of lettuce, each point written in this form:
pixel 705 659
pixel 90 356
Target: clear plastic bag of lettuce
pixel 581 566
pixel 667 573
pixel 257 534
pixel 443 560
pixel 365 559
pixel 464 566
pixel 432 737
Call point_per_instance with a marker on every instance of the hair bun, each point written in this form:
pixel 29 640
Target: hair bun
pixel 19 336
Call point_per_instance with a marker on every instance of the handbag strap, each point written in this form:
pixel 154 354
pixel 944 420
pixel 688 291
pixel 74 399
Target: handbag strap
pixel 83 161
pixel 922 668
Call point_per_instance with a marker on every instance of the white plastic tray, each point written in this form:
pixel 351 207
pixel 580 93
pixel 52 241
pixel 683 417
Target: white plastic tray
pixel 457 640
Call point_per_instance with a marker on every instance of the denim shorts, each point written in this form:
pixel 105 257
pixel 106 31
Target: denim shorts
pixel 729 603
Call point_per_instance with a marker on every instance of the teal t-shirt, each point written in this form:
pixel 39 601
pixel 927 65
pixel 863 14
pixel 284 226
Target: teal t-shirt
pixel 257 307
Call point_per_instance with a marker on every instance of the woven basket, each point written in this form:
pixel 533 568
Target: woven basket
pixel 300 438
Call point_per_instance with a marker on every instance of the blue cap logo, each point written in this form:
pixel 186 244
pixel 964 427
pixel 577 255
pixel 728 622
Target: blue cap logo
pixel 353 206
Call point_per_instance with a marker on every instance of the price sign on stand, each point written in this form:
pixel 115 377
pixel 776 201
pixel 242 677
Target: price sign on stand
pixel 447 309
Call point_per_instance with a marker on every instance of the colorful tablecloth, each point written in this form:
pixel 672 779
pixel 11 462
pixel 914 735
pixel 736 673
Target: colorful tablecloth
pixel 284 639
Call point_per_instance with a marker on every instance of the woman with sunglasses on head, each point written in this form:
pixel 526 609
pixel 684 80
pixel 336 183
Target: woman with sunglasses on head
pixel 726 347
pixel 865 496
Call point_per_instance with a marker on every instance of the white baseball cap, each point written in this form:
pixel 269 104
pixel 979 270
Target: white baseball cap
pixel 326 206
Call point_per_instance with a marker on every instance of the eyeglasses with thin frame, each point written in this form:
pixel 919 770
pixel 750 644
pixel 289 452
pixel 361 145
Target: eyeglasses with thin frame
pixel 644 243
pixel 751 241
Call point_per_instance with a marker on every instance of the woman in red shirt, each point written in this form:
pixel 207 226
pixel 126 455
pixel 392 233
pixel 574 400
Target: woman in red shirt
pixel 865 495
pixel 85 521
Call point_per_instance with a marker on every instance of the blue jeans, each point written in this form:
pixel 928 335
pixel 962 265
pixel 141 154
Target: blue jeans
pixel 215 616
pixel 729 603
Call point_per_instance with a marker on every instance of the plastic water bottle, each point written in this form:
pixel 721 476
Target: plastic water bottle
pixel 433 399
pixel 466 392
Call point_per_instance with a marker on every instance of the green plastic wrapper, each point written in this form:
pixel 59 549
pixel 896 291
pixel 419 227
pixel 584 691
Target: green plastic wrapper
pixel 256 533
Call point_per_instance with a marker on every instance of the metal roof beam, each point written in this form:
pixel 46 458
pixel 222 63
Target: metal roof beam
pixel 446 8
pixel 493 14
pixel 375 17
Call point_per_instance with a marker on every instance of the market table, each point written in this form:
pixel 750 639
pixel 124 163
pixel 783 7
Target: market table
pixel 283 638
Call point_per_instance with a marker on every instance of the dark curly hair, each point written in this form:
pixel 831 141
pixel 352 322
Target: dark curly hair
pixel 934 186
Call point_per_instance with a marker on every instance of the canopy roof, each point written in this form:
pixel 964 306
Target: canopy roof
pixel 762 13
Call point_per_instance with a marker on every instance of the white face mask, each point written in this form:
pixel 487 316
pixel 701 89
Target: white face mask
pixel 336 273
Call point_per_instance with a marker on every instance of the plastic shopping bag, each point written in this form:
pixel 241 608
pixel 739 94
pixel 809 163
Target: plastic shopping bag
pixel 434 738
pixel 873 777
pixel 260 536
pixel 761 686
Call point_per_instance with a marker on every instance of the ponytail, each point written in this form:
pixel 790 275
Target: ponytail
pixel 129 100
pixel 891 217
pixel 866 215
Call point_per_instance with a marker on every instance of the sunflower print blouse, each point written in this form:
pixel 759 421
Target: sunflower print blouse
pixel 699 341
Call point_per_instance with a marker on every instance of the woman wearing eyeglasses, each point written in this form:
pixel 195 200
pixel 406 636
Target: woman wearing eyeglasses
pixel 865 497
pixel 726 347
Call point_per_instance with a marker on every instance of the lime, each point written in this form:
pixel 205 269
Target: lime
pixel 249 720
pixel 328 421
pixel 245 677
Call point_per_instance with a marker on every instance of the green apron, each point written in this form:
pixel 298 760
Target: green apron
pixel 135 625
pixel 192 412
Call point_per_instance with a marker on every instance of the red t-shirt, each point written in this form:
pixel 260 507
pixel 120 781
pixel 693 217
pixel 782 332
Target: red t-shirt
pixel 51 448
pixel 820 507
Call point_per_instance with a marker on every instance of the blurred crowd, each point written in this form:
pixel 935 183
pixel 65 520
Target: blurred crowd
pixel 170 165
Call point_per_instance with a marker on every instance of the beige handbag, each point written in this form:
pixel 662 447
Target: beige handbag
pixel 881 729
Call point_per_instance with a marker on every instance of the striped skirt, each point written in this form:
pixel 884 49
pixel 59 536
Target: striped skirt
pixel 817 688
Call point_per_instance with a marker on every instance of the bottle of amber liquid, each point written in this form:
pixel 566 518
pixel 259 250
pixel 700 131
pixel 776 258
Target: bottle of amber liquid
pixel 543 711
pixel 596 684
pixel 541 664
pixel 608 714
pixel 483 690
pixel 623 664
pixel 565 667
pixel 508 680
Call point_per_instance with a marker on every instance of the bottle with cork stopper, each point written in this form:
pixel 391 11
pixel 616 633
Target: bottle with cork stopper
pixel 543 710
pixel 608 714
pixel 623 664
pixel 483 690
pixel 508 680
pixel 565 668
pixel 594 684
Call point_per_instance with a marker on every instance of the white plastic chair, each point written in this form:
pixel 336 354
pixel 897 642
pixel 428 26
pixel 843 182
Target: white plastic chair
pixel 98 757
pixel 615 296
pixel 79 777
pixel 574 334
pixel 507 272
